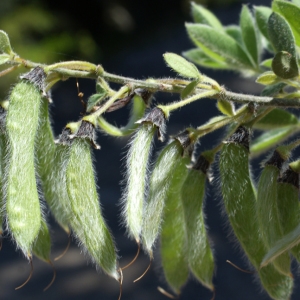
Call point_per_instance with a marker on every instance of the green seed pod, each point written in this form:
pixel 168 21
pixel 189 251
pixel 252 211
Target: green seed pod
pixel 3 150
pixel 160 182
pixel 278 286
pixel 239 194
pixel 173 237
pixel 288 202
pixel 47 163
pixel 23 212
pixel 137 167
pixel 58 199
pixel 42 245
pixel 268 216
pixel 239 198
pixel 200 256
pixel 87 222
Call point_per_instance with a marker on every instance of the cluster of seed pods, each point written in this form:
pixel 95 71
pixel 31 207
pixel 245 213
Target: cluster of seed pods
pixel 163 200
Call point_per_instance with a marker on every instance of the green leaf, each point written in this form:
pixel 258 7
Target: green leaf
pixel 273 90
pixel 267 78
pixel 291 13
pixel 281 35
pixel 284 65
pixel 225 107
pixel 275 119
pixel 297 2
pixel 189 89
pixel 181 65
pixel 4 43
pixel 235 32
pixel 249 34
pixel 4 58
pixel 262 14
pixel 267 63
pixel 96 98
pixel 198 57
pixel 219 46
pixel 204 16
pixel 271 138
pixel 287 242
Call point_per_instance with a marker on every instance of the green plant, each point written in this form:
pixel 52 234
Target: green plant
pixel 162 199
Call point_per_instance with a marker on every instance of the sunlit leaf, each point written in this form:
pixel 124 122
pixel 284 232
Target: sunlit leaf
pixel 291 13
pixel 281 35
pixel 235 32
pixel 4 58
pixel 262 14
pixel 249 34
pixel 198 57
pixel 267 63
pixel 219 46
pixel 4 43
pixel 181 65
pixel 267 78
pixel 226 107
pixel 204 16
pixel 189 89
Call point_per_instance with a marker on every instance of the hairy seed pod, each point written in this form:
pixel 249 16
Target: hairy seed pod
pixel 200 256
pixel 173 237
pixel 3 153
pixel 239 198
pixel 47 163
pixel 288 202
pixel 58 199
pixel 87 222
pixel 42 245
pixel 160 182
pixel 137 168
pixel 268 216
pixel 23 213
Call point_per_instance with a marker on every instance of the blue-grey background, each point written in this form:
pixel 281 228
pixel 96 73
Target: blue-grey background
pixel 128 37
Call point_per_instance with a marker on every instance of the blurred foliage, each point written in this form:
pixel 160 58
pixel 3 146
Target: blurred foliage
pixel 37 34
pixel 48 31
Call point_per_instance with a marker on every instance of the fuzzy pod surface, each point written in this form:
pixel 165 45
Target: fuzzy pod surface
pixel 288 204
pixel 267 210
pixel 3 152
pixel 23 212
pixel 136 185
pixel 173 246
pixel 199 253
pixel 136 188
pixel 49 162
pixel 87 222
pixel 42 244
pixel 57 197
pixel 160 182
pixel 239 198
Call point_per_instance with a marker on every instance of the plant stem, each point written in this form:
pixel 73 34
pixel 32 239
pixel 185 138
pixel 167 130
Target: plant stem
pixel 175 105
pixel 92 71
pixel 263 100
pixel 124 89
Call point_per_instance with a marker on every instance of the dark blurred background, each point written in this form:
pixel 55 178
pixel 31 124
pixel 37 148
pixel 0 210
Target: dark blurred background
pixel 128 37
